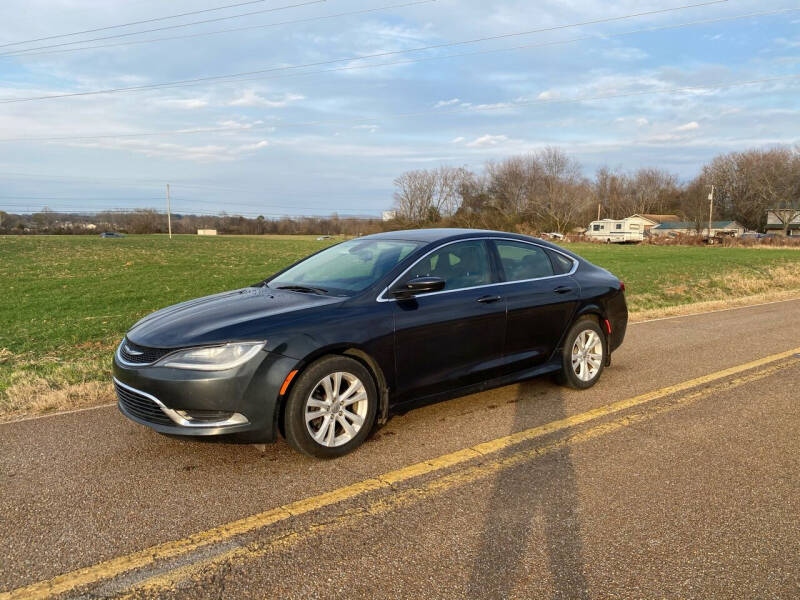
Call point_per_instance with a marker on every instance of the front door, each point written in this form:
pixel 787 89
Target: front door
pixel 541 299
pixel 452 338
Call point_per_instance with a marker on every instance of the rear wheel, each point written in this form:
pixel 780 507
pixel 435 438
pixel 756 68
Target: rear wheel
pixel 331 408
pixel 584 355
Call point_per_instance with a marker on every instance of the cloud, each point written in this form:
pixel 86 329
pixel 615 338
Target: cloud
pixel 250 98
pixel 787 43
pixel 252 147
pixel 547 95
pixel 641 122
pixel 494 106
pixel 691 126
pixel 624 53
pixel 187 103
pixel 370 128
pixel 458 140
pixel 487 140
pixel 442 103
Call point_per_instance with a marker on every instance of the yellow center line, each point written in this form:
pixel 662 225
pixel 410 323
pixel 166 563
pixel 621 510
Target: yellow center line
pixel 116 566
pixel 409 497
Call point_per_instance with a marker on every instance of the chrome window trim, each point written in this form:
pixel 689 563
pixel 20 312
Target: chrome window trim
pixel 575 265
pixel 235 419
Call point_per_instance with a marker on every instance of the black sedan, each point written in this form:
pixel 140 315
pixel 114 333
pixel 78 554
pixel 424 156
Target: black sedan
pixel 331 346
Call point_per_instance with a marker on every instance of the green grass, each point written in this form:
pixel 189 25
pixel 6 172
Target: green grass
pixel 658 277
pixel 67 300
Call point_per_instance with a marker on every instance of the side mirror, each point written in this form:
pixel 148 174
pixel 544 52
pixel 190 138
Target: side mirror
pixel 419 285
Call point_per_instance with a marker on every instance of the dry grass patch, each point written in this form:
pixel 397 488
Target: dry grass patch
pixel 713 305
pixel 39 396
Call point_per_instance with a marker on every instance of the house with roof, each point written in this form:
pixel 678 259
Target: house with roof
pixel 783 221
pixel 648 221
pixel 718 228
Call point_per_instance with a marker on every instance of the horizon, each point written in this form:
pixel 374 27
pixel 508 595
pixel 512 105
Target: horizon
pixel 313 141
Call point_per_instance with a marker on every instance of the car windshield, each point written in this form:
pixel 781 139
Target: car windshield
pixel 346 268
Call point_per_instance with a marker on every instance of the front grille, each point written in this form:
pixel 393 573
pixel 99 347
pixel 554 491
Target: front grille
pixel 139 355
pixel 141 406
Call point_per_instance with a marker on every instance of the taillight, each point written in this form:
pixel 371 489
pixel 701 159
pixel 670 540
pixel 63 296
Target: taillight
pixel 621 286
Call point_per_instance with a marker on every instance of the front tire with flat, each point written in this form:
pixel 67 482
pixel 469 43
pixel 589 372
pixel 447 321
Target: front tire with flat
pixel 331 407
pixel 584 355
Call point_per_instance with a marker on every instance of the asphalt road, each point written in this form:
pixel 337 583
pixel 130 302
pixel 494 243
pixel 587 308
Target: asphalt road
pixel 677 476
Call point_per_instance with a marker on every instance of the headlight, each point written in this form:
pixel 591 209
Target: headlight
pixel 212 358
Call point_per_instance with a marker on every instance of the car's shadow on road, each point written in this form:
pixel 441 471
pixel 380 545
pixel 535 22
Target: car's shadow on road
pixel 532 515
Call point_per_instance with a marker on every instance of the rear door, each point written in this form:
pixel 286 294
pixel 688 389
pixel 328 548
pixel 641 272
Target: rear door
pixel 448 339
pixel 541 299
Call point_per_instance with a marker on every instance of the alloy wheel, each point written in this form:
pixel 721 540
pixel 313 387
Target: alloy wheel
pixel 336 409
pixel 587 355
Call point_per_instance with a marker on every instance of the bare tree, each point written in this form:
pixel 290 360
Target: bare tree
pixel 562 192
pixel 413 199
pixel 750 183
pixel 652 190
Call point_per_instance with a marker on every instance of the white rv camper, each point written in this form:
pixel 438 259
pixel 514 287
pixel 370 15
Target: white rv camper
pixel 616 231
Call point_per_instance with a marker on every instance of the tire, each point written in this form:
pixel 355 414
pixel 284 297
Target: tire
pixel 330 436
pixel 575 372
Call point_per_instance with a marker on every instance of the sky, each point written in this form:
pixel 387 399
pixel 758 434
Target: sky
pixel 322 125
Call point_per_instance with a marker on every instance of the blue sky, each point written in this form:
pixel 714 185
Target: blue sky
pixel 312 141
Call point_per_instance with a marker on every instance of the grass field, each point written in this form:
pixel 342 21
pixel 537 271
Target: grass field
pixel 67 300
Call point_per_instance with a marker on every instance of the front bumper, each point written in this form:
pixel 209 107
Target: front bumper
pixel 168 400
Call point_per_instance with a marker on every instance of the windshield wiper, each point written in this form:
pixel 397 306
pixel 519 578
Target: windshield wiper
pixel 303 288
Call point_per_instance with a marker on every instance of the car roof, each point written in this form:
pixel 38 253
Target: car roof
pixel 434 235
pixel 439 235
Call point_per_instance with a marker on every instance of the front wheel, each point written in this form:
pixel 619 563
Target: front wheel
pixel 584 355
pixel 331 408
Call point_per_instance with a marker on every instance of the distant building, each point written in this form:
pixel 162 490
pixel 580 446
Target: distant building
pixel 718 228
pixel 649 221
pixel 778 218
pixel 206 232
pixel 389 215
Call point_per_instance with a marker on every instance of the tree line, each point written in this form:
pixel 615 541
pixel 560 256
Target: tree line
pixel 548 191
pixel 538 192
pixel 152 221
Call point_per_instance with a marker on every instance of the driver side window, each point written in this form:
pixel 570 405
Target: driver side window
pixel 461 265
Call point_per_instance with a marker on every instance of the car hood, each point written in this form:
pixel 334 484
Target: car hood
pixel 237 315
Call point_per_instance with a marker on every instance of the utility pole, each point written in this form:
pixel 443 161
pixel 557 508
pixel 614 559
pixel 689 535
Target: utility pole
pixel 169 215
pixel 710 211
pixel 598 211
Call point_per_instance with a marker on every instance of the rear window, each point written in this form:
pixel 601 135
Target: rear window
pixel 523 261
pixel 561 264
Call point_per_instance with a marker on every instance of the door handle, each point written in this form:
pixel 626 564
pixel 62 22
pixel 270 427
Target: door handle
pixel 563 289
pixel 489 299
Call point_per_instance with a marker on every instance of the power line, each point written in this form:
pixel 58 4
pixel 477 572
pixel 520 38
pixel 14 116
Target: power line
pixel 31 51
pixel 179 83
pixel 182 25
pixel 471 109
pixel 515 48
pixel 153 20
